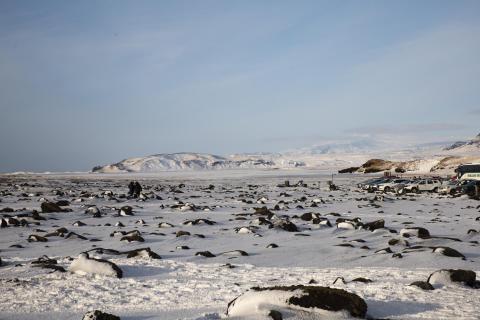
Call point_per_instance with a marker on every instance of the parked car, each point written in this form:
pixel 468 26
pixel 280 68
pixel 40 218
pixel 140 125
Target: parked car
pixel 403 188
pixel 391 185
pixel 470 187
pixel 362 185
pixel 449 187
pixel 373 185
pixel 431 185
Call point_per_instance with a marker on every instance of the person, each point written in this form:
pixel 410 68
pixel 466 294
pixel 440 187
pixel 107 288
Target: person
pixel 131 188
pixel 137 189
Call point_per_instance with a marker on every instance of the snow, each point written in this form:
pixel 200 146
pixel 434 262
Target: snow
pixel 345 225
pixel 259 303
pixel 184 286
pixel 440 278
pixel 83 265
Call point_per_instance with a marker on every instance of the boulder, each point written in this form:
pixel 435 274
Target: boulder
pixel 422 285
pixel 275 315
pixel 206 254
pixel 36 238
pixel 448 252
pixel 349 170
pixel 126 211
pixel 308 216
pixel 420 232
pixel 297 298
pixel 133 238
pixel 143 253
pixel 62 203
pixel 374 225
pixel 286 225
pixel 448 276
pixel 263 211
pixel 48 207
pixel 99 315
pixel 182 233
pixel 322 221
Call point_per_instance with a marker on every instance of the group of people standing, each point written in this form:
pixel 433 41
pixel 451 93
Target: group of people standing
pixel 134 189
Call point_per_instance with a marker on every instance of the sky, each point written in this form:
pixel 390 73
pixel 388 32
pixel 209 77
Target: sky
pixel 84 83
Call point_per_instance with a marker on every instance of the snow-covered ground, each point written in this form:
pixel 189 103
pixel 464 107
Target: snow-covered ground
pixel 183 285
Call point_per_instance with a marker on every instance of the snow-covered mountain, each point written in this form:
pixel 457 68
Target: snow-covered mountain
pixel 189 161
pixel 329 156
pixel 355 146
pixel 465 145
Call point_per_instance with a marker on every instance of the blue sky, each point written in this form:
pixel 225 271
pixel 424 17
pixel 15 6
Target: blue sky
pixel 92 82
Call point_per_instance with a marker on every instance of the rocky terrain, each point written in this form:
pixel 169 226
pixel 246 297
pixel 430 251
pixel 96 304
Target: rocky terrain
pixel 240 247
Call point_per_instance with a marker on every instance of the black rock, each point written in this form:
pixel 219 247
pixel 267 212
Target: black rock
pixel 468 277
pixel 36 238
pixel 422 285
pixel 73 235
pixel 322 221
pixel 448 252
pixel 378 224
pixel 143 252
pixel 362 280
pixel 62 203
pixel 325 298
pixel 48 207
pixel 133 237
pixel 126 211
pixel 422 233
pixel 99 315
pixel 182 233
pixel 308 216
pixel 275 315
pixel 263 211
pixel 286 225
pixel 393 242
pixel 206 254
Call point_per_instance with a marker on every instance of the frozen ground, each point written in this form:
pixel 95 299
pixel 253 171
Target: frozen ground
pixel 182 285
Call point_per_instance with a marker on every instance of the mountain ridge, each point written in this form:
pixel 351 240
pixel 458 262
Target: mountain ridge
pixel 329 156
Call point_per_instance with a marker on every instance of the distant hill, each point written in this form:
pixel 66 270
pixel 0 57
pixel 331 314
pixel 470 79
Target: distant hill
pixel 187 161
pixel 330 156
pixel 475 143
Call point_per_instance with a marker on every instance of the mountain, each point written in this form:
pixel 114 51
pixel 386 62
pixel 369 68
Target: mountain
pixel 475 143
pixel 342 147
pixel 330 156
pixel 189 161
